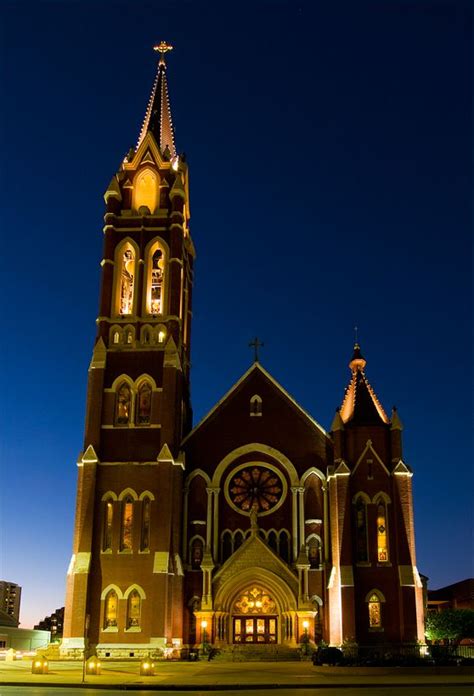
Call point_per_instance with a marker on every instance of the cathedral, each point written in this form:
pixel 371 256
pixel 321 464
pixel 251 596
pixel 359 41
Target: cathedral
pixel 254 526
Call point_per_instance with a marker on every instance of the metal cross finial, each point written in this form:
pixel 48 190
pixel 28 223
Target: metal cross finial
pixel 356 335
pixel 256 344
pixel 162 48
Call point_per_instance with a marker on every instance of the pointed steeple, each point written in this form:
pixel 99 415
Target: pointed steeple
pixel 361 405
pixel 158 114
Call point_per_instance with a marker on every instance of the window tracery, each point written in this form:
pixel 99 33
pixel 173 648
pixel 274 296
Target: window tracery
pixel 111 609
pixel 123 404
pixel 143 404
pixel 127 524
pixel 382 544
pixel 108 520
pixel 255 600
pixel 146 191
pixel 134 603
pixel 375 611
pixel 127 276
pixel 145 531
pixel 157 265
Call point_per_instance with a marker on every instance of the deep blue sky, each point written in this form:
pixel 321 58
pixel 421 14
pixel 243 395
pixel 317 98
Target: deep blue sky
pixel 329 150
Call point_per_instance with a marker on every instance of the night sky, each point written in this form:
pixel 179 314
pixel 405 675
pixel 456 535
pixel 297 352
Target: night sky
pixel 329 153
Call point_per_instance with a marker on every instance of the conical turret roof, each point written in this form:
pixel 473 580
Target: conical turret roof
pixel 361 405
pixel 158 114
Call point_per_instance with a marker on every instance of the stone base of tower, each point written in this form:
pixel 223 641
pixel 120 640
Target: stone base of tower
pixel 73 649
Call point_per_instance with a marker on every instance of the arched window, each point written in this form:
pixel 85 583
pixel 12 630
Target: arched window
pixel 273 540
pixel 238 539
pixel 382 544
pixel 147 336
pixel 197 550
pixel 314 551
pixel 134 605
pixel 123 403
pixel 161 333
pixel 108 519
pixel 115 336
pixel 126 280
pixel 375 611
pixel 127 524
pixel 146 190
pixel 145 531
pixel 362 554
pixel 129 335
pixel 143 404
pixel 284 545
pixel 226 545
pixel 256 405
pixel 155 279
pixel 111 609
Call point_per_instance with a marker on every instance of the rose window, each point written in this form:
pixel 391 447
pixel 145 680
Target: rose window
pixel 255 601
pixel 256 488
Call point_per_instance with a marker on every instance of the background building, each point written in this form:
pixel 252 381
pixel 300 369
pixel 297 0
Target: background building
pixel 53 624
pixel 459 595
pixel 10 598
pixel 255 526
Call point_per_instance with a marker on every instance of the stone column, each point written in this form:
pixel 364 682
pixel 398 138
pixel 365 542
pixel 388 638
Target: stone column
pixel 294 516
pixel 209 517
pixel 215 547
pixel 326 524
pixel 185 525
pixel 302 534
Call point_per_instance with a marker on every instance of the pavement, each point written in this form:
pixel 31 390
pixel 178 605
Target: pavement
pixel 210 676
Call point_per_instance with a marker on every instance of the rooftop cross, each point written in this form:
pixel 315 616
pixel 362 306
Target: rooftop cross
pixel 162 48
pixel 256 344
pixel 356 335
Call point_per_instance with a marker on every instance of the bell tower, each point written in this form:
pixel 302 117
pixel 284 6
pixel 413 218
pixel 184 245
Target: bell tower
pixel 124 584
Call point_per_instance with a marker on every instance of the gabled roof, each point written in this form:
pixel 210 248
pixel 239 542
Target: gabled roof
pixel 361 405
pixel 158 113
pixel 256 367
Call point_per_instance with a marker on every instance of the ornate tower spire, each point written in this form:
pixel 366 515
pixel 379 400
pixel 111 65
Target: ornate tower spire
pixel 361 405
pixel 158 114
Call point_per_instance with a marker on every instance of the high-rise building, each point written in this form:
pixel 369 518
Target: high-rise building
pixel 254 526
pixel 10 596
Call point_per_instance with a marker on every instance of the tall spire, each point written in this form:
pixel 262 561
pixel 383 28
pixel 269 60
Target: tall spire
pixel 158 114
pixel 361 405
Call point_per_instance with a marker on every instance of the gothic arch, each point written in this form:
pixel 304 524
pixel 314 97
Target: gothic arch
pixel 146 494
pixel 363 496
pixel 146 190
pixel 376 592
pixel 198 472
pixel 316 599
pixel 110 495
pixel 381 496
pixel 156 306
pixel 255 448
pixel 128 492
pixel 118 381
pixel 115 335
pixel 130 589
pixel 309 472
pixel 227 593
pixel 113 587
pixel 127 244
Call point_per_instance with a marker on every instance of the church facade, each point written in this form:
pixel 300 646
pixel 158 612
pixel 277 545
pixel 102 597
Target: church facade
pixel 255 526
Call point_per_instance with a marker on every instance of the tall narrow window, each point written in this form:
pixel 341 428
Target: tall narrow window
pixel 157 263
pixel 108 519
pixel 146 190
pixel 284 546
pixel 382 547
pixel 127 524
pixel 256 405
pixel 314 554
pixel 361 531
pixel 145 533
pixel 226 545
pixel 123 404
pixel 197 550
pixel 127 274
pixel 133 609
pixel 143 406
pixel 110 612
pixel 375 612
pixel 273 541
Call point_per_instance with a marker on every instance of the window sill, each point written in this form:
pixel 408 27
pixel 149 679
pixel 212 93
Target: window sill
pixel 106 552
pixel 384 564
pixel 144 551
pixel 376 630
pixel 126 552
pixel 364 564
pixel 133 629
pixel 110 629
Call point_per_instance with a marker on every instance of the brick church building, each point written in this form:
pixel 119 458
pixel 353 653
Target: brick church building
pixel 255 525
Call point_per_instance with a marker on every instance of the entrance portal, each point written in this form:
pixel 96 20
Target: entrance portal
pixel 254 617
pixel 258 629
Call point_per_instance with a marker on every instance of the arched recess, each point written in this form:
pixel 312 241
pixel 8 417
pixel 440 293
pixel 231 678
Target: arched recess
pixel 360 495
pixel 116 336
pixel 116 589
pixel 379 594
pixel 110 495
pixel 146 190
pixel 197 499
pixel 312 471
pixel 126 258
pixel 383 497
pixel 146 494
pixel 137 588
pixel 128 492
pixel 196 551
pixel 253 448
pixel 316 599
pixel 198 472
pixel 155 293
pixel 227 594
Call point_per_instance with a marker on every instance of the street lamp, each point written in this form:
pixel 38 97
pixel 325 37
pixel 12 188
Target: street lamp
pixel 305 637
pixel 204 636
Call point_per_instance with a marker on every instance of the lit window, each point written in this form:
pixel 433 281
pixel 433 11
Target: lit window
pixel 116 338
pixel 129 336
pixel 127 523
pixel 161 336
pixel 361 531
pixel 157 282
pixel 123 404
pixel 255 601
pixel 108 519
pixel 127 273
pixel 145 533
pixel 143 405
pixel 256 405
pixel 146 190
pixel 375 612
pixel 111 607
pixel 382 547
pixel 133 609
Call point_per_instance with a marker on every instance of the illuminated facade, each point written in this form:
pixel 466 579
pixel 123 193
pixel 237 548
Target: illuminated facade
pixel 256 525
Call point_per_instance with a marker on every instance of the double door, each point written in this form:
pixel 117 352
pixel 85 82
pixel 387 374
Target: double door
pixel 255 629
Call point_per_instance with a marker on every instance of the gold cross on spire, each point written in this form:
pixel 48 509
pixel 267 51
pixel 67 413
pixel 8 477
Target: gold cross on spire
pixel 356 335
pixel 256 344
pixel 162 48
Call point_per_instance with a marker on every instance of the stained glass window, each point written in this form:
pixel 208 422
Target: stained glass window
pixel 108 518
pixel 382 548
pixel 156 301
pixel 361 531
pixel 123 404
pixel 111 606
pixel 133 609
pixel 127 523
pixel 375 613
pixel 143 406
pixel 145 535
pixel 255 601
pixel 126 282
pixel 256 487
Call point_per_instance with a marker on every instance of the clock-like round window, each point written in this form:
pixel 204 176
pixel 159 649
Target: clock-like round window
pixel 255 485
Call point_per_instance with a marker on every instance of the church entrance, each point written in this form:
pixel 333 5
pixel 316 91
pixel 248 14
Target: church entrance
pixel 258 629
pixel 254 617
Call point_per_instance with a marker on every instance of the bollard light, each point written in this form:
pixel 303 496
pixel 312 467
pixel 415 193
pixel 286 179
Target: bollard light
pixel 147 668
pixel 93 666
pixel 39 666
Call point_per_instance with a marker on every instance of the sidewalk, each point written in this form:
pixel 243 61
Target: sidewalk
pixel 223 676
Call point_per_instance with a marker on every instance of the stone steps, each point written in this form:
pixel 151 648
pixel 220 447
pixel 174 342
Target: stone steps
pixel 257 653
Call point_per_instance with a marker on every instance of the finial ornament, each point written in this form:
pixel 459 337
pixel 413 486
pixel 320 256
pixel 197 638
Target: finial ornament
pixel 256 344
pixel 356 335
pixel 162 48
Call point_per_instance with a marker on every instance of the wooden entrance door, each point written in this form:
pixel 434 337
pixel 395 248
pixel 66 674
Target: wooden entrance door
pixel 255 629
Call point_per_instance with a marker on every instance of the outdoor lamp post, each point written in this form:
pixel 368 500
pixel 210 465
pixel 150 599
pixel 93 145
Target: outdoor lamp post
pixel 204 636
